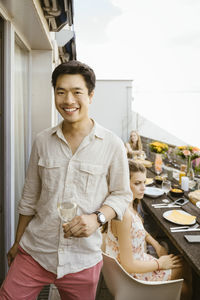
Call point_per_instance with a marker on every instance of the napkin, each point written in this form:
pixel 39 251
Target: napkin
pixel 194 197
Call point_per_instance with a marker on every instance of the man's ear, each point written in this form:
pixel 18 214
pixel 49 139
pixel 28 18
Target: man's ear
pixel 91 97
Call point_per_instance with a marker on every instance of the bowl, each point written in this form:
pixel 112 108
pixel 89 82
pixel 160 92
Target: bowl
pixel 175 192
pixel 158 179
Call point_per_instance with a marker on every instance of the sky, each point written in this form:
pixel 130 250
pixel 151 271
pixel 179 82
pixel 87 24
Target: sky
pixel 156 43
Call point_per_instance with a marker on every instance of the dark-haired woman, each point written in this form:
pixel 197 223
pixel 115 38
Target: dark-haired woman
pixel 127 240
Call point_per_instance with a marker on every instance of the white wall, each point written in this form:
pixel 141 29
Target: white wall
pixel 149 129
pixel 41 100
pixel 111 106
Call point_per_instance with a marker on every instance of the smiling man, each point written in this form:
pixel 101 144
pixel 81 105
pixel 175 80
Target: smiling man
pixel 77 161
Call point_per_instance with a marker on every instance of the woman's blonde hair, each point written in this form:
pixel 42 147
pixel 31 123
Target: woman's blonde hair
pixel 139 142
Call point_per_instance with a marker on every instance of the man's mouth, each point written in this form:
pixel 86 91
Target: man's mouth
pixel 70 109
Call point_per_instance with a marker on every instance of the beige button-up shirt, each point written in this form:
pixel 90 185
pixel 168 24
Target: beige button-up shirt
pixel 96 174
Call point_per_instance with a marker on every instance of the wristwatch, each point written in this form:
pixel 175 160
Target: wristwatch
pixel 100 217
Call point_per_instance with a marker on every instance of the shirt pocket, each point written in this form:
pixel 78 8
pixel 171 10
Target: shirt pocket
pixel 52 173
pixel 89 176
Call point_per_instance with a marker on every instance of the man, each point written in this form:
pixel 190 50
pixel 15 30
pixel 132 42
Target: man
pixel 76 161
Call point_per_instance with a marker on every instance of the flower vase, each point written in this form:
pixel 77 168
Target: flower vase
pixel 158 163
pixel 190 172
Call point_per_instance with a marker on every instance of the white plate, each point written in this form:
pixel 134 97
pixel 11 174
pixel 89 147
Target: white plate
pixel 167 214
pixel 153 192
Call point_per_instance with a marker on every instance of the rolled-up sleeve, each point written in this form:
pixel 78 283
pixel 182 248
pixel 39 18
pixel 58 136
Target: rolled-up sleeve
pixel 120 194
pixel 32 186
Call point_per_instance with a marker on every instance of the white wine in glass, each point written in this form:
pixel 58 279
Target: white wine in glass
pixel 67 211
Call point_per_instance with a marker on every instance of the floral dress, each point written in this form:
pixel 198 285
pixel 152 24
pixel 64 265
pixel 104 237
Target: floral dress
pixel 138 249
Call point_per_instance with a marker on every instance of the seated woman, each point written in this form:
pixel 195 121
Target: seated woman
pixel 134 146
pixel 127 240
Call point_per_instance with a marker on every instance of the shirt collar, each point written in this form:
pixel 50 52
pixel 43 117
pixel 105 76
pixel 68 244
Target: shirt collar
pixel 57 129
pixel 97 130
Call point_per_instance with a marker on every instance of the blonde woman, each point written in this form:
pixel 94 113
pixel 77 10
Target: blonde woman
pixel 127 241
pixel 134 146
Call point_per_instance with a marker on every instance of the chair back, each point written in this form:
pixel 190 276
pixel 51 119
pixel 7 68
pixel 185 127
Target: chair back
pixel 124 287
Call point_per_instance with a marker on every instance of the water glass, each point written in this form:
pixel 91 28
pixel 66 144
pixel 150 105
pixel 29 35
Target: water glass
pixel 166 186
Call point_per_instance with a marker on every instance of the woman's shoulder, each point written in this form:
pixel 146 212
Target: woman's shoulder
pixel 125 222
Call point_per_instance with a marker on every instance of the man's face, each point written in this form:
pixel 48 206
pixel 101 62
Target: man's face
pixel 71 97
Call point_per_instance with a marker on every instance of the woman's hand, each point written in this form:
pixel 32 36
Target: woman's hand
pixel 12 253
pixel 169 262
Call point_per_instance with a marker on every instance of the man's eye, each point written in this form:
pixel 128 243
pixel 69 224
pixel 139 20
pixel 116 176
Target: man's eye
pixel 60 93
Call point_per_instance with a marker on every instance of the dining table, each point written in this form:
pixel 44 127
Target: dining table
pixel 190 251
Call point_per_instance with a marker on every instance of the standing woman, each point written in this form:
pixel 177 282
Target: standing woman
pixel 127 241
pixel 134 146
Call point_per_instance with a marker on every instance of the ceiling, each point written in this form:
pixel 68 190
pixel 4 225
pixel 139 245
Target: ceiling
pixel 28 18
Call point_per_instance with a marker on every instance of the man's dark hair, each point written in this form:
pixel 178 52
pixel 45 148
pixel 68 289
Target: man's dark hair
pixel 75 67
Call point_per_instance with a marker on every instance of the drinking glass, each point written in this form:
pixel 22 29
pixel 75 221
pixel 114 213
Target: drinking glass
pixel 158 163
pixel 67 211
pixel 166 186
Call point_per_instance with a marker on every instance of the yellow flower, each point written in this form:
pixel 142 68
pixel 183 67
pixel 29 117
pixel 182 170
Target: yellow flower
pixel 158 147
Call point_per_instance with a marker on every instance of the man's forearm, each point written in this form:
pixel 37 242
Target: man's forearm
pixel 22 224
pixel 108 212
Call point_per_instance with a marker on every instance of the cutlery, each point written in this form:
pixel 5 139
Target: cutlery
pixel 195 227
pixel 184 230
pixel 165 206
pixel 181 227
pixel 185 227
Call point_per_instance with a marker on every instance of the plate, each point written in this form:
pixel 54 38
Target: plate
pixel 149 181
pixel 153 192
pixel 180 217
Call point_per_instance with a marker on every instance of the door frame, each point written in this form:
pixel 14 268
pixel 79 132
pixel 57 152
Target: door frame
pixel 2 216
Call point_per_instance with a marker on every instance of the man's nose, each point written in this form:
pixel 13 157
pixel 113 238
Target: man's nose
pixel 69 98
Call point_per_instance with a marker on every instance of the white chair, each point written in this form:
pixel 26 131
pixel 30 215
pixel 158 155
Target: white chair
pixel 124 287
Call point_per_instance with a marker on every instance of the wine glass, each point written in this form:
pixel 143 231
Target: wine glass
pixel 166 186
pixel 67 211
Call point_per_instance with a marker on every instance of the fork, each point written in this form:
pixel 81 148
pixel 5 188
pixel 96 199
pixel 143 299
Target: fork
pixel 184 228
pixel 163 205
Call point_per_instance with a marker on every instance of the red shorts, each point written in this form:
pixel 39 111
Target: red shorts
pixel 26 278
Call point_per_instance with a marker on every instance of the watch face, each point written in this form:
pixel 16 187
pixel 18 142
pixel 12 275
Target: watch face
pixel 102 218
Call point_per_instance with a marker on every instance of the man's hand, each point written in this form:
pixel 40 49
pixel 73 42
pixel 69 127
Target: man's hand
pixel 12 253
pixel 81 226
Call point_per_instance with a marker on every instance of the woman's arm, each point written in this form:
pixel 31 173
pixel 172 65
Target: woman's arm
pixel 132 265
pixel 129 149
pixel 160 250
